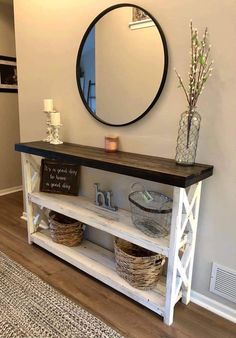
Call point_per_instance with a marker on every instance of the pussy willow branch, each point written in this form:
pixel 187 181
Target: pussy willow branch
pixel 204 73
pixel 199 68
pixel 182 85
pixel 207 74
pixel 194 63
pixel 191 73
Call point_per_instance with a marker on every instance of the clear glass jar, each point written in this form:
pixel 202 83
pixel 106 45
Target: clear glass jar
pixel 187 140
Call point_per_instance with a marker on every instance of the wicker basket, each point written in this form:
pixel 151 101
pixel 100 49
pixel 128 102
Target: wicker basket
pixel 65 230
pixel 152 217
pixel 141 268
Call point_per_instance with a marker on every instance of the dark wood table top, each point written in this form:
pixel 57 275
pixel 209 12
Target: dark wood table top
pixel 151 168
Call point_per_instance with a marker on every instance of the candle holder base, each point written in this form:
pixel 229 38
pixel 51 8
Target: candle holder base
pixel 56 142
pixel 49 137
pixel 55 134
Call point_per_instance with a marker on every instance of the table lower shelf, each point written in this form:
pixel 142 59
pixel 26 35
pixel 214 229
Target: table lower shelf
pixel 99 263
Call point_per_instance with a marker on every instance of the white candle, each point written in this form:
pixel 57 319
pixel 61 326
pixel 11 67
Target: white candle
pixel 56 118
pixel 48 105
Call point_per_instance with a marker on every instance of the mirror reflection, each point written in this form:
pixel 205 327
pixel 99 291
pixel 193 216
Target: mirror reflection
pixel 121 65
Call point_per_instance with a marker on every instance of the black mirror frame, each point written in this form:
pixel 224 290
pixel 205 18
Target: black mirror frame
pixel 166 60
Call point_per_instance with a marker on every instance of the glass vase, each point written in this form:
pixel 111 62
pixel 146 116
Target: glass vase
pixel 187 140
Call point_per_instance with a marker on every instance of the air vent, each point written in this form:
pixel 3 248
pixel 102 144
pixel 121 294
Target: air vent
pixel 223 282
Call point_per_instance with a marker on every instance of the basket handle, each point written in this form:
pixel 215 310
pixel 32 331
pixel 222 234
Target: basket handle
pixel 137 184
pixel 146 195
pixel 52 216
pixel 160 259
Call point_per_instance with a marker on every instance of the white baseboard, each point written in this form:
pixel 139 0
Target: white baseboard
pixel 213 306
pixel 10 190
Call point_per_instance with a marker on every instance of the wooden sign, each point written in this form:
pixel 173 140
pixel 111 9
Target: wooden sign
pixel 60 178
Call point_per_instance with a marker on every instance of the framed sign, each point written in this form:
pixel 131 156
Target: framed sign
pixel 8 74
pixel 59 178
pixel 140 19
pixel 139 15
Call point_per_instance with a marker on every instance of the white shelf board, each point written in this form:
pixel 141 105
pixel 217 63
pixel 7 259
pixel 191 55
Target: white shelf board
pixel 99 263
pixel 117 223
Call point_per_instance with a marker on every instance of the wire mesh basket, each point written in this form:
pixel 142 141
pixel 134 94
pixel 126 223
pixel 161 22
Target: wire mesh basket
pixel 151 211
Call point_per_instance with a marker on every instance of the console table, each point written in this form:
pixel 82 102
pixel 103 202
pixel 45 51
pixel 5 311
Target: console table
pixel 179 246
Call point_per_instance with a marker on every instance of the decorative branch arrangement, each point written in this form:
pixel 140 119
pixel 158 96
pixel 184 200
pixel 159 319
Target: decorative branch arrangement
pixel 200 70
pixel 200 67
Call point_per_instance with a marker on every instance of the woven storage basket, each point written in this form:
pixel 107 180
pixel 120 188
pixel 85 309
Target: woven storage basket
pixel 65 230
pixel 141 268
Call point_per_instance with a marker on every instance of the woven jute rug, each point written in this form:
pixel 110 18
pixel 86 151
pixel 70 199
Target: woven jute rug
pixel 29 307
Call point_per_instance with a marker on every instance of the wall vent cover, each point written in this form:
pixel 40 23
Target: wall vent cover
pixel 223 282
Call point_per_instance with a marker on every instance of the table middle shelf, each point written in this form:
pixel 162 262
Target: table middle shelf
pixel 117 223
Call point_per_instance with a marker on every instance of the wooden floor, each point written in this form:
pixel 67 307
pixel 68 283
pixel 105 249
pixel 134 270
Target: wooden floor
pixel 116 310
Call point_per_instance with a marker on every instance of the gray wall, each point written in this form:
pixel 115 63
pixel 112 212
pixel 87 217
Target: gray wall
pixel 10 174
pixel 48 34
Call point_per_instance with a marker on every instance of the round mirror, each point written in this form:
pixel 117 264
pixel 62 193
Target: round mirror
pixel 121 65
